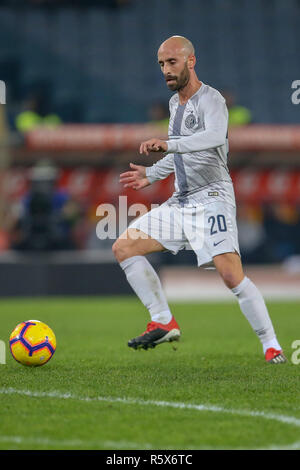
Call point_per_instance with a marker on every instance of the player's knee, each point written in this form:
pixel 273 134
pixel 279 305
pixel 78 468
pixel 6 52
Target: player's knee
pixel 121 250
pixel 230 278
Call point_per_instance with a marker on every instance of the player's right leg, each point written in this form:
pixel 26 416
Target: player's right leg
pixel 134 242
pixel 130 250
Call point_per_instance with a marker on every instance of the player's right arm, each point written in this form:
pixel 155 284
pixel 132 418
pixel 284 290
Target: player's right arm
pixel 141 176
pixel 136 178
pixel 160 170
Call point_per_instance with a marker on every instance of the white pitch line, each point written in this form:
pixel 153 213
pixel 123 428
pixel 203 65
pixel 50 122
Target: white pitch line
pixel 123 445
pixel 291 420
pixel 293 446
pixel 45 441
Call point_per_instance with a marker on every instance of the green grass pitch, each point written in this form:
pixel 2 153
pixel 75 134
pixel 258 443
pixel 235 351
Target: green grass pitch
pixel 96 393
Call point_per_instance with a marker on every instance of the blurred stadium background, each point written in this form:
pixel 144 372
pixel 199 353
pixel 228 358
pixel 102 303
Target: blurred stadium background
pixel 83 89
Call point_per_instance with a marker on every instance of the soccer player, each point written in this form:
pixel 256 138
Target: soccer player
pixel 201 213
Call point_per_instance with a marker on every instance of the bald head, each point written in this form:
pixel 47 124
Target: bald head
pixel 180 44
pixel 176 57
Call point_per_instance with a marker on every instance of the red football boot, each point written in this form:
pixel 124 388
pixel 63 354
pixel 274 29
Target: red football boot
pixel 156 333
pixel 273 356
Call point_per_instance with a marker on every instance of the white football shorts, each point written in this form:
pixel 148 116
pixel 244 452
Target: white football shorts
pixel 208 229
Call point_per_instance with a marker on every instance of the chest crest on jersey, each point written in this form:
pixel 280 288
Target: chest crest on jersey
pixel 190 121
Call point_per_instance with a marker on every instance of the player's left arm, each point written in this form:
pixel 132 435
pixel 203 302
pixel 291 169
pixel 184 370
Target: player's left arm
pixel 214 135
pixel 153 145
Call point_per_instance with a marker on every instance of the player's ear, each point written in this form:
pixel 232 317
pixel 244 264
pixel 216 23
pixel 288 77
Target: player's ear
pixel 191 61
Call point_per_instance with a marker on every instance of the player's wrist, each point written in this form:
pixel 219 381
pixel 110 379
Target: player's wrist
pixel 171 146
pixel 150 175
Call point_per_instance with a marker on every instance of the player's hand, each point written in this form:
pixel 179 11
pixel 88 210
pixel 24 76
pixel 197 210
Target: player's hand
pixel 135 179
pixel 153 145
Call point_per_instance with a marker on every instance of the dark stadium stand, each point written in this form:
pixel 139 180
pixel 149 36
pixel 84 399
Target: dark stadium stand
pixel 87 53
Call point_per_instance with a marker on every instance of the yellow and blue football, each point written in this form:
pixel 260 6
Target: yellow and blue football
pixel 32 343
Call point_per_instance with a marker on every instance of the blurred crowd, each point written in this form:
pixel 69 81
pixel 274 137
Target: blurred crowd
pixel 48 217
pixel 269 233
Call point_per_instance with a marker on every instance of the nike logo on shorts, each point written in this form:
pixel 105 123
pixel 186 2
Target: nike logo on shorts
pixel 218 243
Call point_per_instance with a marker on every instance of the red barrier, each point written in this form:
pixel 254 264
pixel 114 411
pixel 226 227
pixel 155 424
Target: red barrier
pixel 93 137
pixel 99 186
pixel 124 137
pixel 267 186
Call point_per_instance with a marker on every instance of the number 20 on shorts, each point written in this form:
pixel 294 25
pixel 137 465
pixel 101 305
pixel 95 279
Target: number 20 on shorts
pixel 217 224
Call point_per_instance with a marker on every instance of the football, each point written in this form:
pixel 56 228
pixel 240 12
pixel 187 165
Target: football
pixel 32 343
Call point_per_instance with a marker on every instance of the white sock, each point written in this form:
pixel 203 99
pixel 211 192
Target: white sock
pixel 254 308
pixel 146 284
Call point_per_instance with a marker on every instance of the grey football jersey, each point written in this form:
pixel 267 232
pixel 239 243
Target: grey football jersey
pixel 197 145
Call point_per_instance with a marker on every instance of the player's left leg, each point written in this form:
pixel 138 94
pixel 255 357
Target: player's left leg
pixel 251 304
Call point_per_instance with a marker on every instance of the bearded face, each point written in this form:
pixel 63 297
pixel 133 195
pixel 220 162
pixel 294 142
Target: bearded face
pixel 177 82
